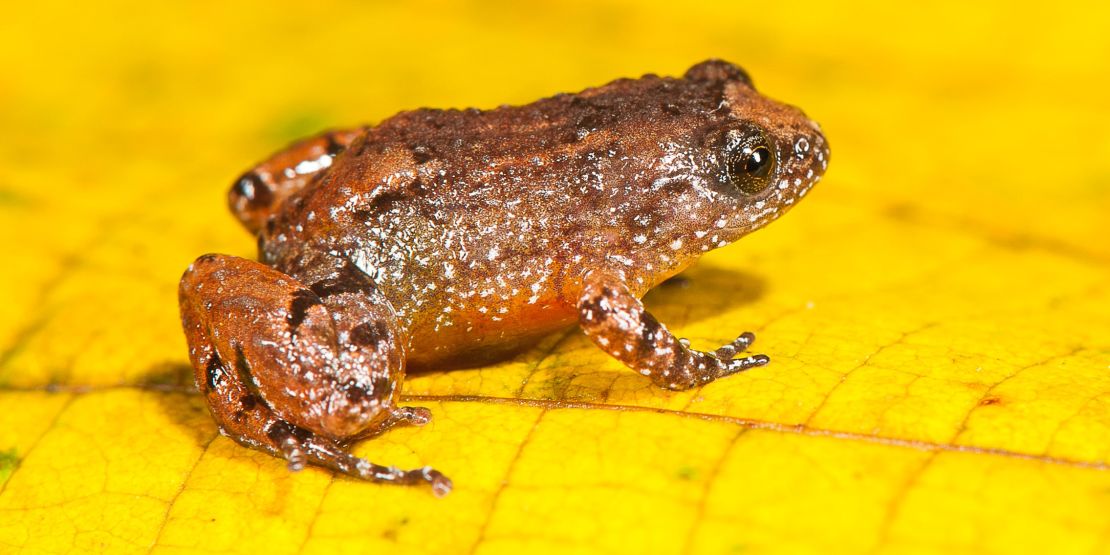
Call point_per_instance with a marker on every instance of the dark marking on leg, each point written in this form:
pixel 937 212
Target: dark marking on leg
pixel 247 404
pixel 650 336
pixel 369 333
pixel 243 370
pixel 303 299
pixel 649 328
pixel 354 392
pixel 591 310
pixel 214 372
pixel 378 384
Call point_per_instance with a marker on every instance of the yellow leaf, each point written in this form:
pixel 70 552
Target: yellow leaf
pixel 937 311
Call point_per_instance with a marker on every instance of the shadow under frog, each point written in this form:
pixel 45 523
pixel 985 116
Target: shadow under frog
pixel 442 237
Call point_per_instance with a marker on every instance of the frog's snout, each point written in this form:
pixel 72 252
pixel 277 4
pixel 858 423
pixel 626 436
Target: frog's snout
pixel 807 158
pixel 812 150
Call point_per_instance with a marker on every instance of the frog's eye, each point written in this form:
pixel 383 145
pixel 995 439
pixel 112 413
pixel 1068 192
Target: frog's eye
pixel 750 167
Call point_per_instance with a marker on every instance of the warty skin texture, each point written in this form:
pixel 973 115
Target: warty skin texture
pixel 449 238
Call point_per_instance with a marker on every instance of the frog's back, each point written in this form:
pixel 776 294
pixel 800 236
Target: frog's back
pixel 552 125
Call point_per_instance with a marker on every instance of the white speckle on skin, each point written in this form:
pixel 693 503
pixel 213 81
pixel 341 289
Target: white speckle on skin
pixel 313 166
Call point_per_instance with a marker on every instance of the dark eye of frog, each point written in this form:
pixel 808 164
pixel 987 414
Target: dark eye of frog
pixel 751 164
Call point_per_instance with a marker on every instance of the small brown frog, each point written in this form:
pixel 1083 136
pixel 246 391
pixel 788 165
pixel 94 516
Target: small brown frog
pixel 444 238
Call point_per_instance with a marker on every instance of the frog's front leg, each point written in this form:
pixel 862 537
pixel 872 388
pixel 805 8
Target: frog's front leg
pixel 256 194
pixel 618 323
pixel 297 370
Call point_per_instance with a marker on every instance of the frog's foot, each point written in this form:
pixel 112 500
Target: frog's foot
pixel 728 353
pixel 616 321
pixel 298 371
pixel 257 193
pixel 299 446
pixel 412 416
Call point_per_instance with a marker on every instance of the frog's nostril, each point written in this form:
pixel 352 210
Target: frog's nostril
pixel 802 147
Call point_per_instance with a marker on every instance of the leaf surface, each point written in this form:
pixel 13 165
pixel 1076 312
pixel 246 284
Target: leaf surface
pixel 937 311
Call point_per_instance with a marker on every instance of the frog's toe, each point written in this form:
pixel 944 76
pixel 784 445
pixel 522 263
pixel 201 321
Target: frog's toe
pixel 732 365
pixel 294 452
pixel 740 364
pixel 301 447
pixel 739 345
pixel 441 485
pixel 413 416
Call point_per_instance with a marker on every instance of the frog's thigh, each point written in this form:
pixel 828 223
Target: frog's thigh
pixel 260 341
pixel 617 322
pixel 256 194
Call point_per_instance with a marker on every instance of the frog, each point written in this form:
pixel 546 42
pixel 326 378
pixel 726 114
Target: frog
pixel 440 239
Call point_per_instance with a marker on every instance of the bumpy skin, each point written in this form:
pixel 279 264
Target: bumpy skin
pixel 444 238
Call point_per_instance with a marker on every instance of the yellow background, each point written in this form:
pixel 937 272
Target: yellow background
pixel 937 310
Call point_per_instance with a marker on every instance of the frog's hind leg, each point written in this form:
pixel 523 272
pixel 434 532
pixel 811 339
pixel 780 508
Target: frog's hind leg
pixel 616 321
pixel 298 371
pixel 258 192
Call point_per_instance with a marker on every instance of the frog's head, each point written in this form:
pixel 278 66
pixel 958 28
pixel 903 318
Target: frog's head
pixel 766 155
pixel 745 163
